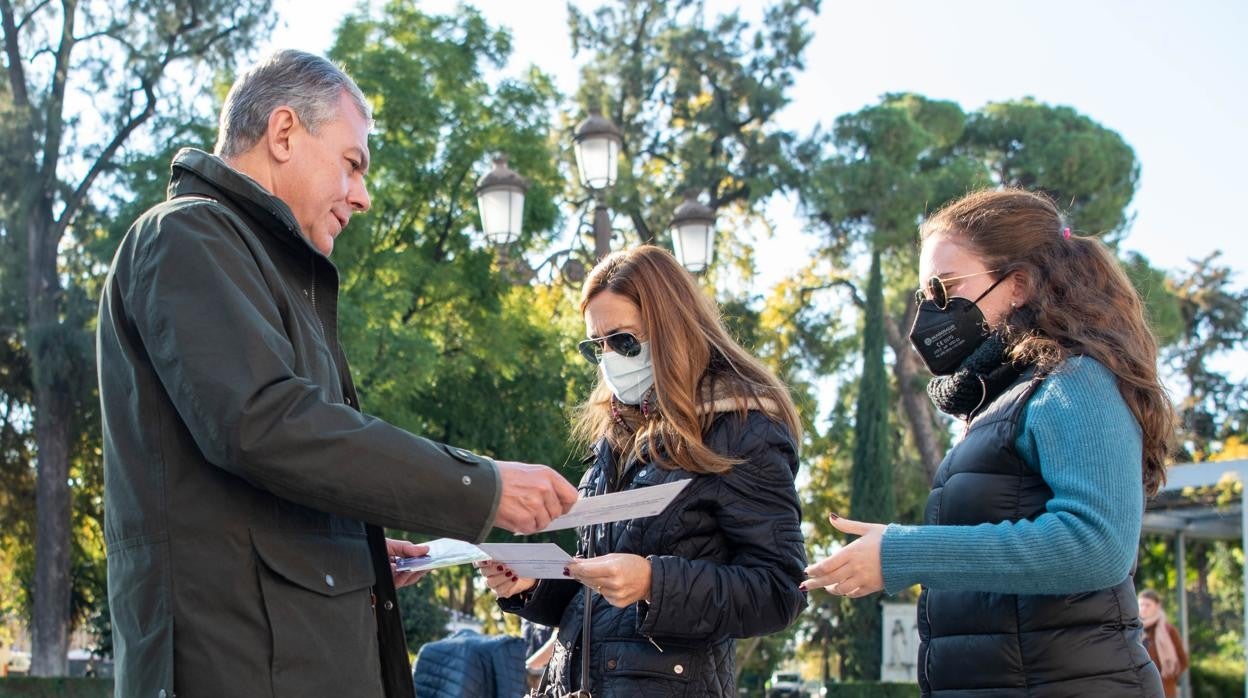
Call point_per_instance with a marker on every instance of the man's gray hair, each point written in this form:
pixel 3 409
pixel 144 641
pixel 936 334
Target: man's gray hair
pixel 307 83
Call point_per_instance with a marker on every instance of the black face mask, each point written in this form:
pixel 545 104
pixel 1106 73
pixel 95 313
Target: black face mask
pixel 944 337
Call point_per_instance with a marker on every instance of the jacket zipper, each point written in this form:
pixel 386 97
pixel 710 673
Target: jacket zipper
pixel 315 311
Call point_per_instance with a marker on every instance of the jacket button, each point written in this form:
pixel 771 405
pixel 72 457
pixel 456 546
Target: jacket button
pixel 611 664
pixel 679 669
pixel 467 480
pixel 329 580
pixel 388 605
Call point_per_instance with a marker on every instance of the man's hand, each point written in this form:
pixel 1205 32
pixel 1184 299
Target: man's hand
pixel 620 578
pixel 398 549
pixel 532 496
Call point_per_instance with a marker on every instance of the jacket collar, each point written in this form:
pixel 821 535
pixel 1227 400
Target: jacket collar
pixel 197 173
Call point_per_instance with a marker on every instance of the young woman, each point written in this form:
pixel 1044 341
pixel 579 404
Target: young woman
pixel 1039 344
pixel 1164 643
pixel 677 399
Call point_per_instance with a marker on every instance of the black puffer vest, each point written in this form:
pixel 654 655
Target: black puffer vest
pixel 1008 645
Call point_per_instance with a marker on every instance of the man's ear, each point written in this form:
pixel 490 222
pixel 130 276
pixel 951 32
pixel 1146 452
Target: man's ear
pixel 282 125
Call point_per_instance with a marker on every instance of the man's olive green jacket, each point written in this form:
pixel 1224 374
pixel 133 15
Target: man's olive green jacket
pixel 244 490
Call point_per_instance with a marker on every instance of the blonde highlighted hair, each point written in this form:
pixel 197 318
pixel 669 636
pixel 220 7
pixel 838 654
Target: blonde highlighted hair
pixel 696 365
pixel 1079 301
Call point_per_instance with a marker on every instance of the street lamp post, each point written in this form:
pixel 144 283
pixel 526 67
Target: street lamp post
pixel 598 143
pixel 501 191
pixel 500 199
pixel 693 233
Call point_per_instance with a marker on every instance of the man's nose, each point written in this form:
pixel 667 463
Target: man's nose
pixel 358 197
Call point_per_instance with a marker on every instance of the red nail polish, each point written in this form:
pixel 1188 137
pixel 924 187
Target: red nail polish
pixel 500 568
pixel 833 516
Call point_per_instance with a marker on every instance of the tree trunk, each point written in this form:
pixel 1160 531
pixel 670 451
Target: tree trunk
pixel 52 523
pixel 747 651
pixel 911 381
pixel 470 596
pixel 825 661
pixel 52 426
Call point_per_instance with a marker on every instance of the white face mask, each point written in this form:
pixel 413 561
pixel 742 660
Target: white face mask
pixel 629 377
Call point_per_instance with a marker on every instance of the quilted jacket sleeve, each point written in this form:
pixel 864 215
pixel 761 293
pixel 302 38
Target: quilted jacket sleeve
pixel 755 592
pixel 546 604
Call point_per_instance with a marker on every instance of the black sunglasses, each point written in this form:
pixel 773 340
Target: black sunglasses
pixel 622 343
pixel 936 292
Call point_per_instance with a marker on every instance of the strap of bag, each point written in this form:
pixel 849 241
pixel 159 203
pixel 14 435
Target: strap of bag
pixel 587 621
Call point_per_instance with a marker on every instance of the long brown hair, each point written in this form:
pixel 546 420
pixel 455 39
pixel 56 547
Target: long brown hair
pixel 695 360
pixel 1079 301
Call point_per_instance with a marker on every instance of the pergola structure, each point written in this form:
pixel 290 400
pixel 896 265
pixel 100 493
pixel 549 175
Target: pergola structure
pixel 1184 514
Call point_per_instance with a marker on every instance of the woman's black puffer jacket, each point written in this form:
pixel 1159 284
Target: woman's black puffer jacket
pixel 726 557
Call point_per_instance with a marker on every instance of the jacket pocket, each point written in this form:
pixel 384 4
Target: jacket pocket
pixel 639 666
pixel 649 475
pixel 317 591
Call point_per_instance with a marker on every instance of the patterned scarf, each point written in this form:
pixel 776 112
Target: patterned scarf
pixel 980 378
pixel 1166 653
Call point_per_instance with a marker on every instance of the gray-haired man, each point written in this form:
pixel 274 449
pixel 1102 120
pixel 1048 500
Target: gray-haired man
pixel 244 490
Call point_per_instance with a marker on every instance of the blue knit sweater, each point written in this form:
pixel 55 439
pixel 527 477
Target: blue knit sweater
pixel 1079 434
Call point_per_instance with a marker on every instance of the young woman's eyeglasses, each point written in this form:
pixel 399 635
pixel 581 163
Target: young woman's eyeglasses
pixel 936 292
pixel 622 343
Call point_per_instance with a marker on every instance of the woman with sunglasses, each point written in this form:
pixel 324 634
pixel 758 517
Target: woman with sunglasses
pixel 1040 347
pixel 677 399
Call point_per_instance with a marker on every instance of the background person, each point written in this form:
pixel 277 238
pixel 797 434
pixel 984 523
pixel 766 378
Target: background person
pixel 244 490
pixel 471 665
pixel 678 399
pixel 539 646
pixel 1039 344
pixel 1164 642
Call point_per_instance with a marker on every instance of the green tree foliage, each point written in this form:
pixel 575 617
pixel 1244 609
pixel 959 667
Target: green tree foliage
pixel 424 620
pixel 874 177
pixel 17 487
pixel 1214 582
pixel 1089 170
pixel 1213 409
pixel 127 62
pixel 762 656
pixel 1161 305
pixel 1213 413
pixel 696 99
